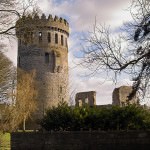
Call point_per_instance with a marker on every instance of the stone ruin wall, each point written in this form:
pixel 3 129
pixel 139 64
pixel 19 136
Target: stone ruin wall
pixel 83 98
pixel 120 96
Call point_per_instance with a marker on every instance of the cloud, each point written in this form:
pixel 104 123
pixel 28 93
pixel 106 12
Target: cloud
pixel 81 14
pixel 81 17
pixel 103 87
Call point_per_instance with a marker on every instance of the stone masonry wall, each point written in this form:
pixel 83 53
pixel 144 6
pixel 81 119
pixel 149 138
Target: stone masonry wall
pixel 83 98
pixel 83 140
pixel 40 50
pixel 120 96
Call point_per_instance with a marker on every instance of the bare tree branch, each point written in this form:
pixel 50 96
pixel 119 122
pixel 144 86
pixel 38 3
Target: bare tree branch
pixel 106 52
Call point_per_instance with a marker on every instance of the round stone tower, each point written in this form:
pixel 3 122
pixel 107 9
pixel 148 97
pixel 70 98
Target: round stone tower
pixel 42 46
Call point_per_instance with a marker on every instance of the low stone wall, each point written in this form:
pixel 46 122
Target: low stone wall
pixel 82 140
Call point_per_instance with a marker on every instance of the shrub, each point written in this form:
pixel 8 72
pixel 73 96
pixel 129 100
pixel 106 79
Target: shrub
pixel 66 118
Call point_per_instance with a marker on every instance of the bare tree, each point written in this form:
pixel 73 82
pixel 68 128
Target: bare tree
pixel 18 98
pixel 6 79
pixel 26 95
pixel 6 70
pixel 19 103
pixel 106 52
pixel 11 11
pixel 16 113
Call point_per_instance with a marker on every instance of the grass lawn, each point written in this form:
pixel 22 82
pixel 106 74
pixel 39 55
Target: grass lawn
pixel 4 141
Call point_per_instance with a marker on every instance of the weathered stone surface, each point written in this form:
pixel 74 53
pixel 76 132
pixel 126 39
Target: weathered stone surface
pixel 120 96
pixel 39 49
pixel 88 98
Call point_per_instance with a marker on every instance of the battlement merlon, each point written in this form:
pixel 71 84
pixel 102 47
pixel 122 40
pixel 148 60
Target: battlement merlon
pixel 51 22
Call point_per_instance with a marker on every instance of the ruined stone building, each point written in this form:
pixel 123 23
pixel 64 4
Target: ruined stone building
pixel 83 98
pixel 42 46
pixel 120 96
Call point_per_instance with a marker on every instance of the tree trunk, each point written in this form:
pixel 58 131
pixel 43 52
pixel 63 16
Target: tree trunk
pixel 24 123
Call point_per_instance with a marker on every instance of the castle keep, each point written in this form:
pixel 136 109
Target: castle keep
pixel 42 46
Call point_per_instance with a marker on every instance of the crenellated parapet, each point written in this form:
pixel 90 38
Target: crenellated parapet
pixel 49 23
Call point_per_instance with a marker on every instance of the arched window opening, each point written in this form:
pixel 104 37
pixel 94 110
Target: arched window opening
pixel 49 37
pixel 86 101
pixel 66 42
pixel 20 42
pixel 40 36
pixel 25 40
pixel 56 38
pixel 46 58
pixel 80 103
pixel 62 40
pixel 93 102
pixel 53 61
pixel 32 35
pixel 60 89
pixel 19 64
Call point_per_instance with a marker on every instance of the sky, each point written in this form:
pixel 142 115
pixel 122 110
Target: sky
pixel 81 16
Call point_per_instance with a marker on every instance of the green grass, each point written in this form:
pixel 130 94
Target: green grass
pixel 4 141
